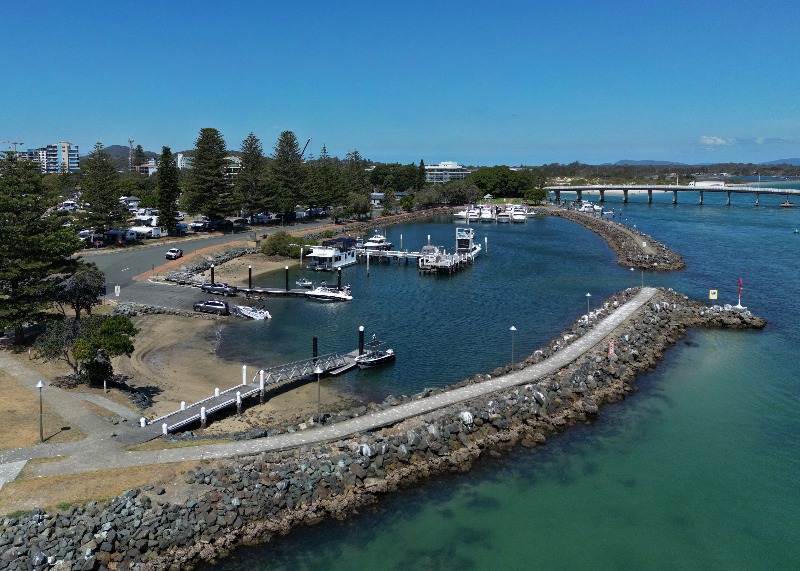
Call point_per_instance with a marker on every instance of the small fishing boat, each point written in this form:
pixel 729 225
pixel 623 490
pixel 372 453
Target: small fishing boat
pixel 374 357
pixel 325 293
pixel 257 313
pixel 304 282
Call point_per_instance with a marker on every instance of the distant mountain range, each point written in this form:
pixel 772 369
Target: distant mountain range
pixel 792 162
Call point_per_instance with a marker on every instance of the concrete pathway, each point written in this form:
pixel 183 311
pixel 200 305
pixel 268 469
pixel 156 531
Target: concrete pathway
pixel 99 451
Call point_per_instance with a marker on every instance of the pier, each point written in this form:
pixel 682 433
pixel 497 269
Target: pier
pixel 675 189
pixel 263 382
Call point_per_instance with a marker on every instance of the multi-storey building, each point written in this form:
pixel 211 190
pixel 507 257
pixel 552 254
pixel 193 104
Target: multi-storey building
pixel 445 172
pixel 62 157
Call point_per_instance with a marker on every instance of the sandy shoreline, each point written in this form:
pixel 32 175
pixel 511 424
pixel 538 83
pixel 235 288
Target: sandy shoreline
pixel 175 360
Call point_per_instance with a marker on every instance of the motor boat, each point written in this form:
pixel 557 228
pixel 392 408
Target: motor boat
pixel 257 313
pixel 473 215
pixel 378 242
pixel 518 215
pixel 503 217
pixel 460 215
pixel 486 215
pixel 590 208
pixel 304 282
pixel 325 293
pixel 374 357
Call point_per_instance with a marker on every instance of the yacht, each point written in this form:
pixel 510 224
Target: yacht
pixel 518 215
pixel 325 293
pixel 473 215
pixel 503 217
pixel 378 242
pixel 486 215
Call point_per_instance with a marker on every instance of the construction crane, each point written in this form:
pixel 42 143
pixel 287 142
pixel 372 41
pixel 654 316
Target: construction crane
pixel 305 147
pixel 15 143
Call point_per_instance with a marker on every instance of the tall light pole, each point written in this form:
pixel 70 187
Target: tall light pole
pixel 512 329
pixel 588 298
pixel 318 372
pixel 40 386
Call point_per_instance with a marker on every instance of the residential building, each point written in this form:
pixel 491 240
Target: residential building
pixel 147 168
pixel 183 162
pixel 51 159
pixel 445 172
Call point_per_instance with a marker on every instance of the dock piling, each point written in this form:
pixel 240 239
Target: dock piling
pixel 244 374
pixel 250 277
pixel 361 340
pixel 287 278
pixel 314 352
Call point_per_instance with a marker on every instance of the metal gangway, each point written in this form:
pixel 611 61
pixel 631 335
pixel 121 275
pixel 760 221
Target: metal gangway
pixel 267 379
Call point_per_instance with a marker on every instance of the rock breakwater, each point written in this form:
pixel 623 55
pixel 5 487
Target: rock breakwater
pixel 626 242
pixel 255 498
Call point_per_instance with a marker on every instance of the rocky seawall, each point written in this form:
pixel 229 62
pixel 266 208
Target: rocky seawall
pixel 626 242
pixel 257 498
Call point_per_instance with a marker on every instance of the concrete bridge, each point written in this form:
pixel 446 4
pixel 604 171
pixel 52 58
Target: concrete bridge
pixel 675 189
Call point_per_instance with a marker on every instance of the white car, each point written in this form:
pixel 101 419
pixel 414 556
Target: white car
pixel 174 253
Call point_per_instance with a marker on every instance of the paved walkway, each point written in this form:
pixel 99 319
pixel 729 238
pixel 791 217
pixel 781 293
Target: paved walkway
pixel 99 451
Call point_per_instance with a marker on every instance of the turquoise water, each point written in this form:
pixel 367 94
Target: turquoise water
pixel 698 470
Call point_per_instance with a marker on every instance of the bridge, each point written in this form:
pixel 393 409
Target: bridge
pixel 675 189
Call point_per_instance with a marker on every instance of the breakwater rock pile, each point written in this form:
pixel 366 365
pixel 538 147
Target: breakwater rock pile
pixel 626 242
pixel 255 498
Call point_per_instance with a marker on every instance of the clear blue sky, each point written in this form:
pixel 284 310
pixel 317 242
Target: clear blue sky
pixel 481 83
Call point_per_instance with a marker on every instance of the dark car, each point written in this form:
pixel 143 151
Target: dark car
pixel 212 306
pixel 221 225
pixel 220 288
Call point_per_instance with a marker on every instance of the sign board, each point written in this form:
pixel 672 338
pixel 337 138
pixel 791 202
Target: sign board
pixel 116 291
pixel 712 294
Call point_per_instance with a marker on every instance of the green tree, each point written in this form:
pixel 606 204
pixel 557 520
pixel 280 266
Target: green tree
pixel 87 345
pixel 139 158
pixel 250 183
pixel 35 249
pixel 286 174
pixel 389 201
pixel 168 189
pixel 82 290
pixel 99 182
pixel 325 181
pixel 209 191
pixel 281 244
pixel 501 181
pixel 460 192
pixel 420 181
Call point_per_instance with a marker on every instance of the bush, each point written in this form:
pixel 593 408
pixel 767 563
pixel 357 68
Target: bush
pixel 281 244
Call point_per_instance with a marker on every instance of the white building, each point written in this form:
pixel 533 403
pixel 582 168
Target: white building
pixel 445 172
pixel 59 158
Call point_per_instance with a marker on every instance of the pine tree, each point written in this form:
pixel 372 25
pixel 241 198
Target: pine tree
pixel 139 157
pixel 35 246
pixel 167 189
pixel 209 191
pixel 99 189
pixel 250 183
pixel 286 174
pixel 420 182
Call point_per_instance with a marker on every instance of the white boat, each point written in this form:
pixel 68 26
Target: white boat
pixel 430 256
pixel 473 215
pixel 325 293
pixel 460 215
pixel 530 213
pixel 590 208
pixel 304 282
pixel 486 215
pixel 330 258
pixel 374 357
pixel 257 313
pixel 503 217
pixel 465 242
pixel 378 242
pixel 518 214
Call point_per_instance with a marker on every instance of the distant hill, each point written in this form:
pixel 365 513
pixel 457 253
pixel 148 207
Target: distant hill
pixel 648 163
pixel 793 162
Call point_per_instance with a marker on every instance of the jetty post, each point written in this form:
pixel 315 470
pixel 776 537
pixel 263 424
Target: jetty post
pixel 314 352
pixel 512 329
pixel 401 242
pixel 367 262
pixel 360 339
pixel 212 274
pixel 244 374
pixel 588 297
pixel 486 244
pixel 239 402
pixel 287 277
pixel 339 279
pixel 249 277
pixel 261 386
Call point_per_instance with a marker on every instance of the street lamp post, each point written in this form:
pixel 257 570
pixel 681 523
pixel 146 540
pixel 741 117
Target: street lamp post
pixel 512 329
pixel 588 298
pixel 40 386
pixel 318 372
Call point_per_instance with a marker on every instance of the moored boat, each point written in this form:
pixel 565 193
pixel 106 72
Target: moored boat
pixel 325 293
pixel 378 242
pixel 257 313
pixel 304 282
pixel 373 356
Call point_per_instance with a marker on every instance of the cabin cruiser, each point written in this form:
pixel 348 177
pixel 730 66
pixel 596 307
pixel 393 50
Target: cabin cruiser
pixel 590 208
pixel 486 215
pixel 378 242
pixel 465 242
pixel 460 215
pixel 518 214
pixel 373 357
pixel 333 254
pixel 473 215
pixel 325 293
pixel 503 217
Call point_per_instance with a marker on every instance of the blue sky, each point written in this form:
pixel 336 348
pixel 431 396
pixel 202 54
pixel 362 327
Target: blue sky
pixel 481 83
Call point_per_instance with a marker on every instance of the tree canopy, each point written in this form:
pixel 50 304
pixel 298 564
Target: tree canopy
pixel 209 191
pixel 168 189
pixel 286 174
pixel 100 193
pixel 36 248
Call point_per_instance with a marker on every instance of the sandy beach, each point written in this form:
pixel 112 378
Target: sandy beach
pixel 175 360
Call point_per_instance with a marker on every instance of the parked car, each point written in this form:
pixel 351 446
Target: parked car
pixel 241 221
pixel 220 288
pixel 260 218
pixel 221 225
pixel 174 254
pixel 212 306
pixel 199 226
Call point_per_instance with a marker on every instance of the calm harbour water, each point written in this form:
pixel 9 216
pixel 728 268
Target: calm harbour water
pixel 698 470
